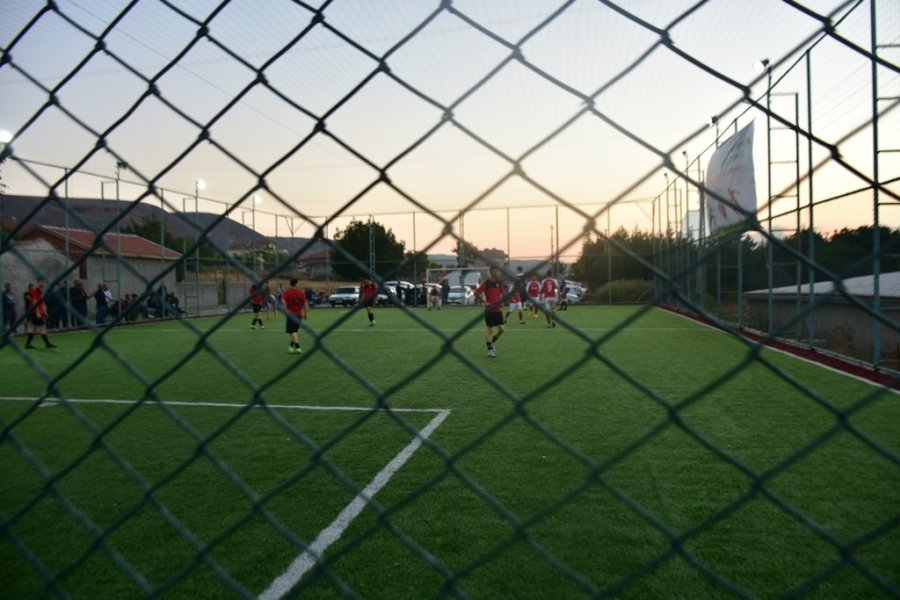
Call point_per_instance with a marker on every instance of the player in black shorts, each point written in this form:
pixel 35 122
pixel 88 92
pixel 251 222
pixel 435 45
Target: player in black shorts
pixel 491 293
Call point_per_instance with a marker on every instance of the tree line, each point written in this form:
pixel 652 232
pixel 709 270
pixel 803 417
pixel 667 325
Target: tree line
pixel 624 256
pixel 634 255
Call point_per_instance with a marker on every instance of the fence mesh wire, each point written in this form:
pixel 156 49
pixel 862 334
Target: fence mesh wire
pixel 683 272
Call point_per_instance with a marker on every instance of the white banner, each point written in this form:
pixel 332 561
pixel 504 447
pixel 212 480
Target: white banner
pixel 730 176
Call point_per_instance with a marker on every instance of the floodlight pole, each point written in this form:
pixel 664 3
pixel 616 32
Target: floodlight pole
pixel 687 217
pixel 5 151
pixel 256 200
pixel 119 166
pixel 199 184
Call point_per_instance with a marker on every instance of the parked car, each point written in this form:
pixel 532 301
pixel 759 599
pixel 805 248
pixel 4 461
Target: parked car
pixel 461 294
pixel 345 296
pixel 407 289
pixel 574 294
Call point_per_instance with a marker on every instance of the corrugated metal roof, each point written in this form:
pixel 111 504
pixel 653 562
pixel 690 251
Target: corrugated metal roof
pixel 127 244
pixel 863 286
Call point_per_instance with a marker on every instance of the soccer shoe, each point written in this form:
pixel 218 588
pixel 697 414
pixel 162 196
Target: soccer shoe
pixel 492 353
pixel 521 322
pixel 51 345
pixel 290 349
pixel 371 323
pixel 262 326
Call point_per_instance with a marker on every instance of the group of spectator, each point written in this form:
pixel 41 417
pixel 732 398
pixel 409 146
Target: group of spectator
pixel 68 306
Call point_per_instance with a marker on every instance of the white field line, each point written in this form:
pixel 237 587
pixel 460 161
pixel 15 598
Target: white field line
pixel 54 401
pixel 284 583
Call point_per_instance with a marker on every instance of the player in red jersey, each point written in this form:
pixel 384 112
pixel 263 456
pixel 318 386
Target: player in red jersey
pixel 515 305
pixel 368 295
pixel 533 289
pixel 549 293
pixel 256 303
pixel 37 314
pixel 491 293
pixel 295 306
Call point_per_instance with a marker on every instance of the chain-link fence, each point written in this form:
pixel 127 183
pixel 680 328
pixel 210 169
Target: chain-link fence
pixel 767 275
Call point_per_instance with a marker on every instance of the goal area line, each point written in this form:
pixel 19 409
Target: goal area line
pixel 282 585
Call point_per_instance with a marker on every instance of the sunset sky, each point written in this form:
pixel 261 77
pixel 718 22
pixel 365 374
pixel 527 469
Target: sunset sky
pixel 461 108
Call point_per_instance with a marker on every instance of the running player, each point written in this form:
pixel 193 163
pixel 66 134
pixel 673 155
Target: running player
pixel 368 295
pixel 549 293
pixel 515 304
pixel 533 289
pixel 37 314
pixel 257 298
pixel 491 293
pixel 295 307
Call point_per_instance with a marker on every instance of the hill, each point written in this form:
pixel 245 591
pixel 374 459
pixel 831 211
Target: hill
pixel 95 215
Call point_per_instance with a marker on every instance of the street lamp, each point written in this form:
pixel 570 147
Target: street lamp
pixel 714 122
pixel 257 199
pixel 5 149
pixel 199 184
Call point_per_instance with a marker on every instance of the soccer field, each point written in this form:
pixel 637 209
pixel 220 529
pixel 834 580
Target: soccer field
pixel 627 452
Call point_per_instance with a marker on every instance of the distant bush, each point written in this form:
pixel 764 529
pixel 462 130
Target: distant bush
pixel 624 291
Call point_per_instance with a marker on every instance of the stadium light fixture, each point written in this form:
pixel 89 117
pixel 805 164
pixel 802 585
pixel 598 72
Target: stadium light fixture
pixel 199 185
pixel 5 136
pixel 761 66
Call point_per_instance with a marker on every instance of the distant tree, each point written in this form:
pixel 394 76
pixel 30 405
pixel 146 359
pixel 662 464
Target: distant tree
pixel 493 256
pixel 355 240
pixel 415 265
pixel 466 254
pixel 470 255
pixel 151 229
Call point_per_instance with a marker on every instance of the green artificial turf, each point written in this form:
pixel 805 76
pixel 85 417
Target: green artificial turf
pixel 626 452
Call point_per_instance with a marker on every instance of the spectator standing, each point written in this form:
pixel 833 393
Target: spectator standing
pixel 368 294
pixel 295 305
pixel 445 290
pixel 62 295
pixel 56 301
pixel 78 298
pixel 9 308
pixel 491 293
pixel 161 295
pixel 37 314
pixel 102 303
